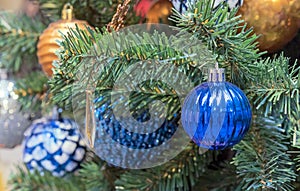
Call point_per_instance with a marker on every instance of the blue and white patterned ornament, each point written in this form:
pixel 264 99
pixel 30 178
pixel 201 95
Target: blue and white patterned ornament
pixel 182 5
pixel 53 145
pixel 216 114
pixel 231 3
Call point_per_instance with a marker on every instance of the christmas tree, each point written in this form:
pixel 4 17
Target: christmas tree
pixel 142 67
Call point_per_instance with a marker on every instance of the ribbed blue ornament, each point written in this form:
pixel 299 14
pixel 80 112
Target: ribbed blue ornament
pixel 216 114
pixel 107 121
pixel 53 145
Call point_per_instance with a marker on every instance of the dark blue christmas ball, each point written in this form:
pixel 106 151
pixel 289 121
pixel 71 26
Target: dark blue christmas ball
pixel 53 145
pixel 182 5
pixel 108 122
pixel 216 115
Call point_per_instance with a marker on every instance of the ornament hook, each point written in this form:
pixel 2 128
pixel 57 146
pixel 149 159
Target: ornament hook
pixel 216 74
pixel 57 113
pixel 67 12
pixel 217 66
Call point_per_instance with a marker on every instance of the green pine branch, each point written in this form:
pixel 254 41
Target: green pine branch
pixel 226 35
pixel 219 178
pixel 76 44
pixel 80 60
pixel 276 86
pixel 295 123
pixel 262 160
pixel 18 38
pixel 98 176
pixel 32 90
pixel 97 13
pixel 25 181
pixel 181 173
pixel 208 28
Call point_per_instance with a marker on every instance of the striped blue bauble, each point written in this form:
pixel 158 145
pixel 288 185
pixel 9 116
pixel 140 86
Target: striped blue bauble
pixel 216 114
pixel 53 145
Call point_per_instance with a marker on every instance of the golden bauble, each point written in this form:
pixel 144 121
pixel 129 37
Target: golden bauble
pixel 48 46
pixel 270 19
pixel 294 8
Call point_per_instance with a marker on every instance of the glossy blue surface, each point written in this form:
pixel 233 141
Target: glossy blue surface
pixel 53 145
pixel 216 115
pixel 107 121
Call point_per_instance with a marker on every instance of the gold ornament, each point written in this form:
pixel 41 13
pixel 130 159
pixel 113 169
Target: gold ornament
pixel 159 12
pixel 48 46
pixel 294 8
pixel 272 20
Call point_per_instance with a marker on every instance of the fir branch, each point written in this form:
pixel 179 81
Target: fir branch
pixel 97 176
pixel 225 34
pixel 65 70
pixel 276 87
pixel 97 13
pixel 181 173
pixel 221 32
pixel 295 123
pixel 24 181
pixel 18 38
pixel 219 179
pixel 262 160
pixel 32 90
pixel 119 53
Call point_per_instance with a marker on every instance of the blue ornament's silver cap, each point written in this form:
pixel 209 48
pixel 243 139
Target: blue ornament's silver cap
pixel 216 74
